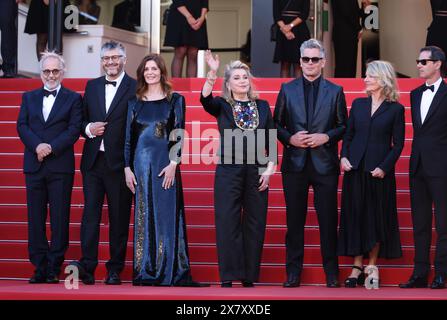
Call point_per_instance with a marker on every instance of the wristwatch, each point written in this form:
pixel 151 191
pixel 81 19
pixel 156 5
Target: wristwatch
pixel 291 25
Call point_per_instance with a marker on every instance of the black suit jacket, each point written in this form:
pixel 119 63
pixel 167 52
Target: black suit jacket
pixel 430 138
pixel 346 16
pixel 61 130
pixel 329 117
pixel 379 139
pixel 94 109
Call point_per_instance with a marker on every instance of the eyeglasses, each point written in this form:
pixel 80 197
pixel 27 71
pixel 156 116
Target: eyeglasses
pixel 113 58
pixel 313 59
pixel 47 72
pixel 424 61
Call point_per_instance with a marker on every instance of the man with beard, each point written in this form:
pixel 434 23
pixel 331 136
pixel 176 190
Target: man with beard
pixel 102 164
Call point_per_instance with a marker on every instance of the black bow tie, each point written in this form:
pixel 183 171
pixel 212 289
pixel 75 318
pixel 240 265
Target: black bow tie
pixel 113 83
pixel 47 93
pixel 432 88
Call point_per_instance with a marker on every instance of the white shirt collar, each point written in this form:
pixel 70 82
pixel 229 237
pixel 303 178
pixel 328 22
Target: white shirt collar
pixel 436 84
pixel 57 89
pixel 118 80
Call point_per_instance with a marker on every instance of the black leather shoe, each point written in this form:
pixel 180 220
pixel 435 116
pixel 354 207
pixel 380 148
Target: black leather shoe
pixel 293 281
pixel 113 278
pixel 52 278
pixel 86 277
pixel 438 282
pixel 415 282
pixel 247 284
pixel 332 281
pixel 37 278
pixel 226 284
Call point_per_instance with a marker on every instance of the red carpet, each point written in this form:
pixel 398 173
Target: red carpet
pixel 198 188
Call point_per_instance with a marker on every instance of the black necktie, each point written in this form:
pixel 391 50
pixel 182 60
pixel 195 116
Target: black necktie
pixel 432 88
pixel 310 106
pixel 47 93
pixel 113 83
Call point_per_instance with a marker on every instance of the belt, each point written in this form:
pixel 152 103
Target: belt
pixel 441 13
pixel 290 13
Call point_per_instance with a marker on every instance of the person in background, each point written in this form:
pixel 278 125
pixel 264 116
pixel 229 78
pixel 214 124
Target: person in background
pixel 291 16
pixel 186 32
pixel 310 115
pixel 89 11
pixel 436 33
pixel 49 124
pixel 428 171
pixel 242 177
pixel 372 144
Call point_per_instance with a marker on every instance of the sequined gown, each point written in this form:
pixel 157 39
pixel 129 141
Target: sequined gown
pixel 160 244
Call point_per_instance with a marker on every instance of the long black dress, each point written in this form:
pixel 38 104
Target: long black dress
pixel 37 20
pixel 287 11
pixel 368 205
pixel 437 31
pixel 240 208
pixel 179 32
pixel 160 243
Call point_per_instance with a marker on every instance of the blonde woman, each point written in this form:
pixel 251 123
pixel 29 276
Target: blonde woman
pixel 241 181
pixel 372 144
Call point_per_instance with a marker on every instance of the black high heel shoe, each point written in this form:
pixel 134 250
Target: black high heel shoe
pixel 353 282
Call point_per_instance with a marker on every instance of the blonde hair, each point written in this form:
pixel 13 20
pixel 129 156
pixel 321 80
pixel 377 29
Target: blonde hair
pixel 229 68
pixel 386 75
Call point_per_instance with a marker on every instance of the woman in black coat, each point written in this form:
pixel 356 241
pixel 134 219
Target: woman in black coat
pixel 372 144
pixel 436 35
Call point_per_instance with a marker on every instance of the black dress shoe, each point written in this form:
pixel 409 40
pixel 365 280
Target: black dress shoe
pixel 226 284
pixel 414 282
pixel 86 277
pixel 247 284
pixel 37 278
pixel 332 281
pixel 438 282
pixel 52 278
pixel 293 281
pixel 113 278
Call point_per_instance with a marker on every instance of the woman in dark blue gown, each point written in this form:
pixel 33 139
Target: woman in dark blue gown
pixel 155 121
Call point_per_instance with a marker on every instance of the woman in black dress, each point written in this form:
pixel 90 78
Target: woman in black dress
pixel 372 144
pixel 291 16
pixel 186 32
pixel 154 133
pixel 437 35
pixel 242 179
pixel 37 22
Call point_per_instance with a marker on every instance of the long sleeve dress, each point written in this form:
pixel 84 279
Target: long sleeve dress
pixel 160 243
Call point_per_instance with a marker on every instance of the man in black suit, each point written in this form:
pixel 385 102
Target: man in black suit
pixel 49 124
pixel 346 32
pixel 102 164
pixel 310 116
pixel 428 170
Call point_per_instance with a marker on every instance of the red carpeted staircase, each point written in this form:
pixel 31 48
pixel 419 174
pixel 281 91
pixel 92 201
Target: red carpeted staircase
pixel 198 188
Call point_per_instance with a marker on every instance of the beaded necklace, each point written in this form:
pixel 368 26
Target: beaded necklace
pixel 246 116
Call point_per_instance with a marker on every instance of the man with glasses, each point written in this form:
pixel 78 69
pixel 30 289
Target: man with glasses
pixel 428 170
pixel 310 116
pixel 49 124
pixel 102 164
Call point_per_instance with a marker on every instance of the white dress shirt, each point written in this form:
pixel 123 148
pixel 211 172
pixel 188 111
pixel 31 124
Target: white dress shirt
pixel 48 103
pixel 110 94
pixel 427 99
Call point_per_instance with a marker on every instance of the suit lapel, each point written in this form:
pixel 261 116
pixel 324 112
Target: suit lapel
pixel 58 103
pixel 436 101
pixel 416 108
pixel 298 96
pixel 382 108
pixel 39 106
pixel 122 89
pixel 322 93
pixel 101 90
